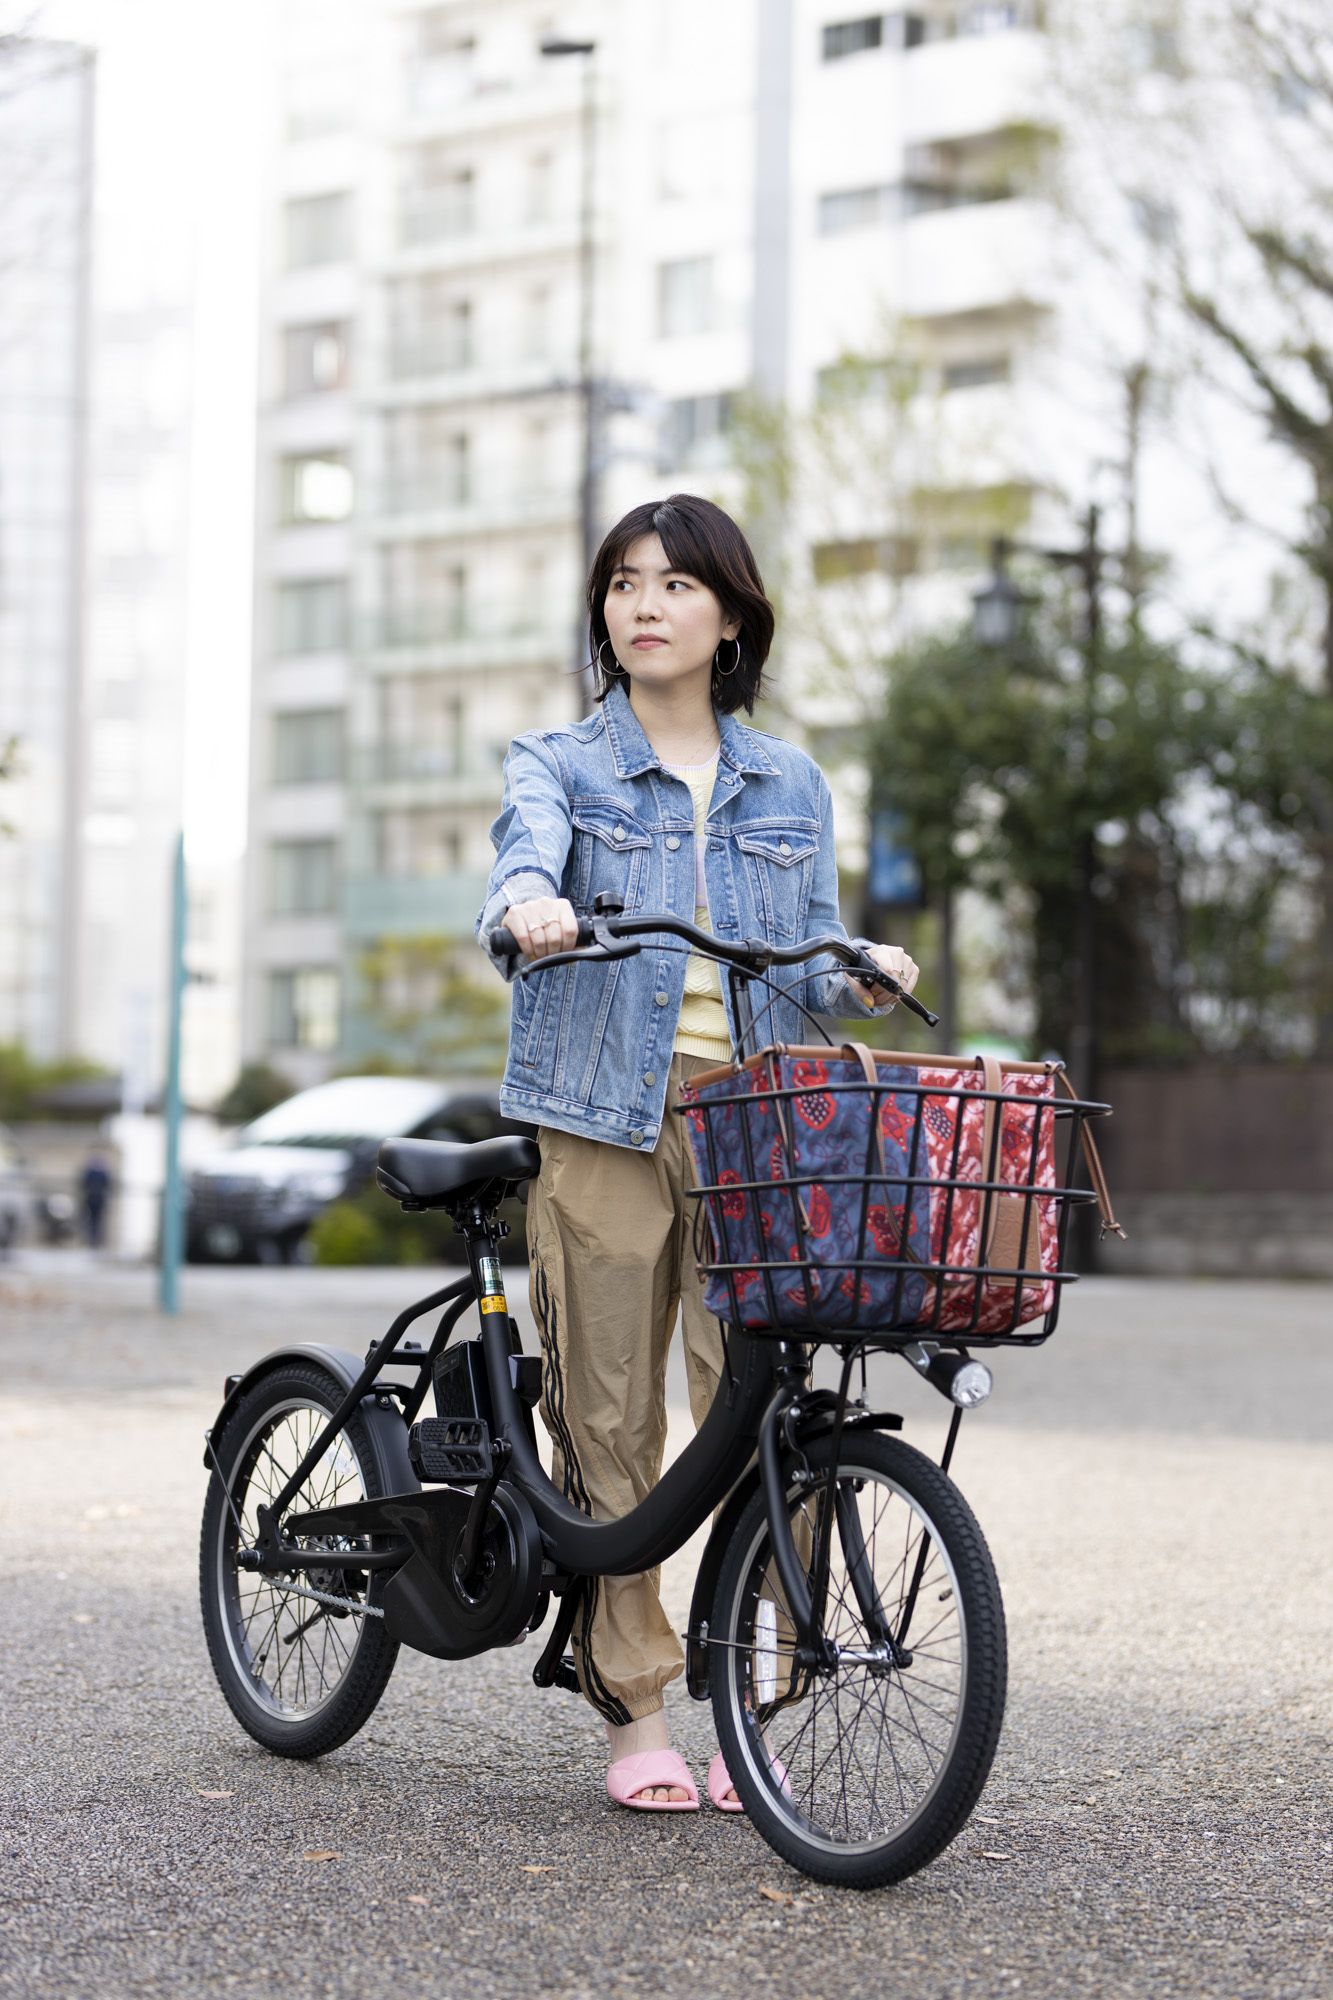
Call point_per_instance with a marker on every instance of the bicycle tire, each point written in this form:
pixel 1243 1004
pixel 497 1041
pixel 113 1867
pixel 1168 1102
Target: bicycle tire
pixel 766 1707
pixel 297 1720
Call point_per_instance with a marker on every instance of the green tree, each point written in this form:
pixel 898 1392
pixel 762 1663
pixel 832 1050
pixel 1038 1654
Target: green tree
pixel 257 1088
pixel 1183 780
pixel 432 1009
pixel 24 1080
pixel 1213 124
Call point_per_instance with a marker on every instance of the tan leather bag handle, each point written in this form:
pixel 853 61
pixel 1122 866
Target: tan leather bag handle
pixel 1095 1167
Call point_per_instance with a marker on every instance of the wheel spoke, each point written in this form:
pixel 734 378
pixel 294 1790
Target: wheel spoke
pixel 865 1743
pixel 294 1659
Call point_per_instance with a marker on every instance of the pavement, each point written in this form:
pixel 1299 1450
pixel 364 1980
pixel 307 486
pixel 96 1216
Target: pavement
pixel 1156 1487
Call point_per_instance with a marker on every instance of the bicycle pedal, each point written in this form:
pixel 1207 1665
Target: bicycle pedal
pixel 450 1450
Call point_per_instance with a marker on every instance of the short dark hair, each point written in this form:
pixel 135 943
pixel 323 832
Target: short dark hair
pixel 704 542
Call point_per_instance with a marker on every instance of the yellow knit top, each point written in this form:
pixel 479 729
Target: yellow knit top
pixel 702 1029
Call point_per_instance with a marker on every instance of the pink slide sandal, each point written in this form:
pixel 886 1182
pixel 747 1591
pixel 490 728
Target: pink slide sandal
pixel 642 1773
pixel 719 1784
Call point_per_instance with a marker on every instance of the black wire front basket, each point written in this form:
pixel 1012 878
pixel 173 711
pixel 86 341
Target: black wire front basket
pixel 891 1197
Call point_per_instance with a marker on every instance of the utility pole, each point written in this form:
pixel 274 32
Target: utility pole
pixel 172 1217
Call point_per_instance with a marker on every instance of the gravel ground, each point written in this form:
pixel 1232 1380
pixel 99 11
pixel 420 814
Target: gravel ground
pixel 1156 1488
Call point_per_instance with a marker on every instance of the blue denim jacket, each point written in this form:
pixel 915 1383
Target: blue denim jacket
pixel 589 808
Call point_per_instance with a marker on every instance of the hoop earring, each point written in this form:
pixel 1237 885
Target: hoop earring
pixel 725 673
pixel 615 667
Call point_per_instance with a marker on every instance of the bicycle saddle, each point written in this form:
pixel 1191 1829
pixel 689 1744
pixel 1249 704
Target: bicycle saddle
pixel 429 1170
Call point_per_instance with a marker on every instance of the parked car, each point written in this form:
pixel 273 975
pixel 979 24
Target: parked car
pixel 255 1201
pixel 17 1200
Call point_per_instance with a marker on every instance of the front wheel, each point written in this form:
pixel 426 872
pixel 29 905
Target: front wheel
pixel 301 1657
pixel 861 1768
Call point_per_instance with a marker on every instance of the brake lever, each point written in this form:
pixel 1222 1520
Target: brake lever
pixel 873 975
pixel 603 946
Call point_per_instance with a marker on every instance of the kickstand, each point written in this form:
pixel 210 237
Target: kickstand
pixel 553 1669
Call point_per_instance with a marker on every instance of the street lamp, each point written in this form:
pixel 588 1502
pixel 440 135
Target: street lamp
pixel 555 46
pixel 997 615
pixel 998 608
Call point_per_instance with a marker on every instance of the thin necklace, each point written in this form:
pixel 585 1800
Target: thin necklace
pixel 695 763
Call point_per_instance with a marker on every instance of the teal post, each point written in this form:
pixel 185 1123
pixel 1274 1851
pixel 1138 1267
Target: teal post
pixel 172 1218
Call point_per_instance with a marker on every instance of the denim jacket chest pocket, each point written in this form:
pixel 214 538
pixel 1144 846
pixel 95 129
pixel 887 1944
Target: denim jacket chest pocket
pixel 609 853
pixel 778 863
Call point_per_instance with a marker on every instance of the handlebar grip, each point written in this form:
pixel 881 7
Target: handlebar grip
pixel 505 945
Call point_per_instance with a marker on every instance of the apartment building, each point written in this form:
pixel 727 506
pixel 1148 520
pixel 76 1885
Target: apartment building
pixel 45 254
pixel 777 187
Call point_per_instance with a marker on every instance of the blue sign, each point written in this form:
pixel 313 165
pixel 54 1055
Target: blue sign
pixel 894 873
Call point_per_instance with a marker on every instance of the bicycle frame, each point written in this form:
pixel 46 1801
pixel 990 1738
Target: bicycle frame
pixel 763 1409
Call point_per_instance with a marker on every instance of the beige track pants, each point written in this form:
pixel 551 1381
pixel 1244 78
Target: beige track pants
pixel 611 1264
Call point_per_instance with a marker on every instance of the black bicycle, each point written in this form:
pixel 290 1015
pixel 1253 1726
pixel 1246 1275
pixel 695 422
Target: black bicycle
pixel 846 1621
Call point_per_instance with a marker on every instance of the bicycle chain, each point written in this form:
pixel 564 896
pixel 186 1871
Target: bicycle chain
pixel 326 1597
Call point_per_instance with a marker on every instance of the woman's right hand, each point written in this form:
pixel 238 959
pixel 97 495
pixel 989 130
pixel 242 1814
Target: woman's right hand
pixel 544 925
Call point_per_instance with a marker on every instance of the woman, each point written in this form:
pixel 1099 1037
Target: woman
pixel 662 798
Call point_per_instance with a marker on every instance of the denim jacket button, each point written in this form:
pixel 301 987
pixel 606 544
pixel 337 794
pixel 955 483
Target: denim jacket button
pixel 617 833
pixel 783 847
pixel 673 841
pixel 636 1138
pixel 650 1077
pixel 659 999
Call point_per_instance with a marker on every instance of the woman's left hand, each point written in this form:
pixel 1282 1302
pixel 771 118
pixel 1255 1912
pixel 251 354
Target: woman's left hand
pixel 890 958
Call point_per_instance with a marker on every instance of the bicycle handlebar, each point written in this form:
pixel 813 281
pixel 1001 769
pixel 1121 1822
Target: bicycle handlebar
pixel 608 936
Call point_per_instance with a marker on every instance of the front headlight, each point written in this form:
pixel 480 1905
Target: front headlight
pixel 315 1187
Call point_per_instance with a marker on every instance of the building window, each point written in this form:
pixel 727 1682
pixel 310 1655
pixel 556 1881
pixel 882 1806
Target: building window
pixel 429 459
pixel 319 230
pixel 312 616
pixel 303 1008
pixel 976 373
pixel 685 296
pixel 540 183
pixel 445 66
pixel 696 428
pixel 316 486
pixel 849 38
pixel 855 208
pixel 303 878
pixel 417 842
pixel 421 727
pixel 308 746
pixel 314 358
pixel 430 327
pixel 535 338
pixel 425 595
pixel 438 198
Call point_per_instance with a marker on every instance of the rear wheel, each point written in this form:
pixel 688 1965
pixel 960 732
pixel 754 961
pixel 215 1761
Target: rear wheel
pixel 302 1658
pixel 861 1769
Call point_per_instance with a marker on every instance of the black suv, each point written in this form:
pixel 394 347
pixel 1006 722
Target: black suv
pixel 255 1201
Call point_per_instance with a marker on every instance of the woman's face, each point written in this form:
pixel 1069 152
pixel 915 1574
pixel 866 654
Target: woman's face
pixel 664 624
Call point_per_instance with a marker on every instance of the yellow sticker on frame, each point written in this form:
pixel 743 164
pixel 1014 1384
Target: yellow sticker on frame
pixel 494 1305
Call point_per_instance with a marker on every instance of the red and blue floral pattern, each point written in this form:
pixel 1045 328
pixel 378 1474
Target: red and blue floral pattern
pixel 877 1212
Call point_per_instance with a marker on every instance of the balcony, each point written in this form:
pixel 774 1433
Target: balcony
pixel 436 232
pixel 434 772
pixel 389 905
pixel 410 634
pixel 977 258
pixel 422 501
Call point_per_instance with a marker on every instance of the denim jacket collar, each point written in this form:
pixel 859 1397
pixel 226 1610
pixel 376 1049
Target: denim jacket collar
pixel 633 753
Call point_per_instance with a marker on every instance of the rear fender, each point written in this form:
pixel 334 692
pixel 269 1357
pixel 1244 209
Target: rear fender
pixel 380 1414
pixel 697 1650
